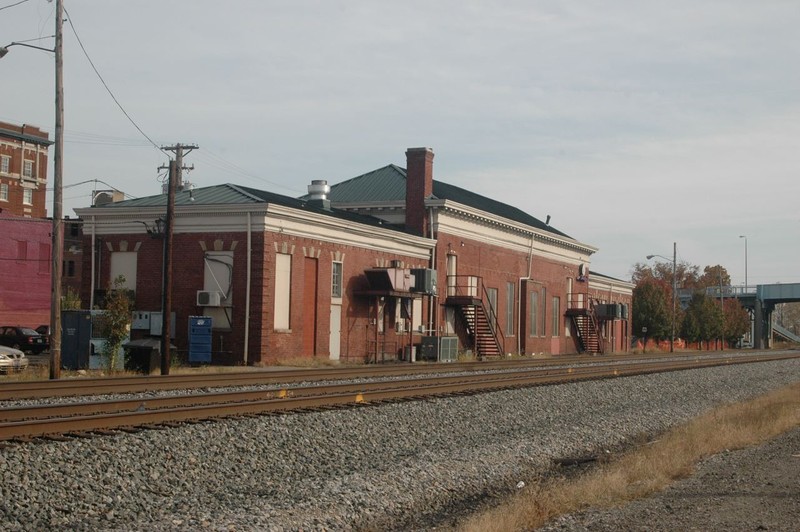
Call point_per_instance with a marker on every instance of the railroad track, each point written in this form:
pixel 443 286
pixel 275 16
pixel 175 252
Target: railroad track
pixel 82 418
pixel 141 384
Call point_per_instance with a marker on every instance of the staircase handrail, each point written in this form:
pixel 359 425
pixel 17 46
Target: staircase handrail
pixel 492 316
pixel 593 315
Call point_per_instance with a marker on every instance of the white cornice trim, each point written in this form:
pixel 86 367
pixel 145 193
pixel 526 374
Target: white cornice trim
pixel 264 218
pixel 468 212
pixel 491 219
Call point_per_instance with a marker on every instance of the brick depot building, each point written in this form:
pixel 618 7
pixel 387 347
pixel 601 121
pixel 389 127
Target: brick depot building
pixel 360 271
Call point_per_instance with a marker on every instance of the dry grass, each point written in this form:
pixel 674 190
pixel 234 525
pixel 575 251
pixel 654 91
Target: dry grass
pixel 650 468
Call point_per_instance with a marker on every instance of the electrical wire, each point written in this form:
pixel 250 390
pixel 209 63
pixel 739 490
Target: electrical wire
pixel 221 163
pixel 13 5
pixel 113 97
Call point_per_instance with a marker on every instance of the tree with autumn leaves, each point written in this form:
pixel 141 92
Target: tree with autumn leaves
pixel 704 320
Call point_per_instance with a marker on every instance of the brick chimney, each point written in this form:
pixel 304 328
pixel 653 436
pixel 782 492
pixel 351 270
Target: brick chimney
pixel 419 185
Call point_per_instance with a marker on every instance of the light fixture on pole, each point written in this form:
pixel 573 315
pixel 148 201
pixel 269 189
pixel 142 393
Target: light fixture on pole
pixel 745 261
pixel 58 226
pixel 674 291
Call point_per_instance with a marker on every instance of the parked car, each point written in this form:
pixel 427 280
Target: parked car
pixel 44 330
pixel 12 359
pixel 22 338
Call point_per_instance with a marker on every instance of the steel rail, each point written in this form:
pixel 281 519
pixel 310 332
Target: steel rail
pixel 142 383
pixel 137 384
pixel 338 395
pixel 175 401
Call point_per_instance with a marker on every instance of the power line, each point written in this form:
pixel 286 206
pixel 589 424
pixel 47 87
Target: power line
pixel 83 48
pixel 13 5
pixel 219 162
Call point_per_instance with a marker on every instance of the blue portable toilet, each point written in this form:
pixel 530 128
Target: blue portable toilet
pixel 199 339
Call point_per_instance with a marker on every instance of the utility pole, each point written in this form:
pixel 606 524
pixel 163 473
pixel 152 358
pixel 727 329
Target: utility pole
pixel 58 205
pixel 175 178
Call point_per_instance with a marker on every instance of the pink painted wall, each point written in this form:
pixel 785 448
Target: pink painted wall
pixel 24 270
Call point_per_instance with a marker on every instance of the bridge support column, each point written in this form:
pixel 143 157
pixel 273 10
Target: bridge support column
pixel 762 338
pixel 758 334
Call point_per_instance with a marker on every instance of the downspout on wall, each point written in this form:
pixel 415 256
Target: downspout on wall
pixel 247 287
pixel 91 291
pixel 431 298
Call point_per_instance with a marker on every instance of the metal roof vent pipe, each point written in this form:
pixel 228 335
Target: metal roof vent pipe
pixel 318 194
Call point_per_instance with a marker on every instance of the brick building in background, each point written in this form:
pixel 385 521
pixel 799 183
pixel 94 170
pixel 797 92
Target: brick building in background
pixel 23 170
pixel 25 233
pixel 25 245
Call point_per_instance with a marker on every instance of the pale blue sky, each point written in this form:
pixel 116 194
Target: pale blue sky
pixel 634 124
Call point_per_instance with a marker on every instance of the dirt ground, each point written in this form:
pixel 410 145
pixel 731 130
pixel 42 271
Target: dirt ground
pixel 750 489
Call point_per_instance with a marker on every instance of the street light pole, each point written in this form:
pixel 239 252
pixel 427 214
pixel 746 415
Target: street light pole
pixel 674 294
pixel 745 261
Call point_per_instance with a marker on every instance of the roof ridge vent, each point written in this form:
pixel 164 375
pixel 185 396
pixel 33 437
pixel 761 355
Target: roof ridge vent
pixel 318 194
pixel 318 189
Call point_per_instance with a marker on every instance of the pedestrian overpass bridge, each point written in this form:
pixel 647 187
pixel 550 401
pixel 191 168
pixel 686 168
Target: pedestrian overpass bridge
pixel 760 301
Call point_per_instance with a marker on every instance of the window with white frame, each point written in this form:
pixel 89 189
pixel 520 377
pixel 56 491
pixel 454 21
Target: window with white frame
pixel 3 192
pixel 5 164
pixel 27 196
pixel 27 169
pixel 336 280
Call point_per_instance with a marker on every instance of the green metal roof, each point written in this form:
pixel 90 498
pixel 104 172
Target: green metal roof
pixel 383 185
pixel 24 136
pixel 388 184
pixel 230 194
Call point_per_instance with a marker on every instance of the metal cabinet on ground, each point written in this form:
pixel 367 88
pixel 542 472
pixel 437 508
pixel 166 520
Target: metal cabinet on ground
pixel 438 349
pixel 199 340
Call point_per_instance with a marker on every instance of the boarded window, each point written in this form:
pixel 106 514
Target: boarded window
pixel 416 318
pixel 218 275
pixel 283 288
pixel 44 258
pixel 556 308
pixel 124 263
pixel 509 309
pixel 543 313
pixel 533 312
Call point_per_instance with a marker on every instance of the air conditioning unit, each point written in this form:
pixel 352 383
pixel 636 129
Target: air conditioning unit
pixel 209 299
pixel 424 281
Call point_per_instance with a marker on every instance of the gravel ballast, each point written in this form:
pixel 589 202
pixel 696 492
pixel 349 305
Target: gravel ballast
pixel 399 466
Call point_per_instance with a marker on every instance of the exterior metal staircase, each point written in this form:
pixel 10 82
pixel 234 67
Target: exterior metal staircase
pixel 476 320
pixel 588 336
